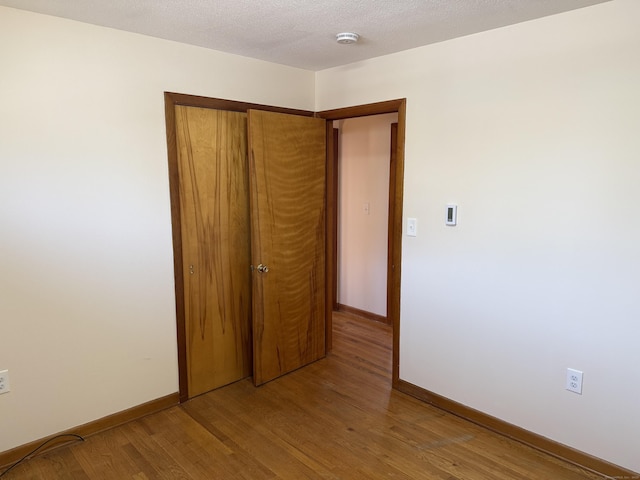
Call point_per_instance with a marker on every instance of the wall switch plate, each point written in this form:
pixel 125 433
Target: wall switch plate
pixel 4 382
pixel 574 381
pixel 452 215
pixel 412 227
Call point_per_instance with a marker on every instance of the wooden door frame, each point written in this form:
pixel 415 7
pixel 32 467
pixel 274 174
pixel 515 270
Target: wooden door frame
pixel 391 240
pixel 171 100
pixel 392 106
pixel 395 217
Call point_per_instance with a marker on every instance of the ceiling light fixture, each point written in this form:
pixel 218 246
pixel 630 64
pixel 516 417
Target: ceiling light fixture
pixel 347 38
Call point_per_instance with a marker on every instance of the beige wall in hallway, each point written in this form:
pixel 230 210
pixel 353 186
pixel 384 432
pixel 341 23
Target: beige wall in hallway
pixel 365 144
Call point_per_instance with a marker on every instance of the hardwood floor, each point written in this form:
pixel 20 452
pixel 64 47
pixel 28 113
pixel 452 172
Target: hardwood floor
pixel 335 419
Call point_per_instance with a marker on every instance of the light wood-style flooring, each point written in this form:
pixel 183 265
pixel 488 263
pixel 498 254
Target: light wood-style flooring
pixel 335 419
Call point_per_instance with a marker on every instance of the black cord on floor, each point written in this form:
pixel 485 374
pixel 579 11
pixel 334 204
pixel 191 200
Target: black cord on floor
pixel 35 450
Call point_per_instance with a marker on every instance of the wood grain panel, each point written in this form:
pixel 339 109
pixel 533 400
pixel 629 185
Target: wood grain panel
pixel 214 209
pixel 171 101
pixel 288 185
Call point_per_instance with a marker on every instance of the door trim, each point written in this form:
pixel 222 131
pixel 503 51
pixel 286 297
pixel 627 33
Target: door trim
pixel 395 216
pixel 170 101
pixel 391 266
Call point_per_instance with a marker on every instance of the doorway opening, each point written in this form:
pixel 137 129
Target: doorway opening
pixel 395 195
pixel 364 172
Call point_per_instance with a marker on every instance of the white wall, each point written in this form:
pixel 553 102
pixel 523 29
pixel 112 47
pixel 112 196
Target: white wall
pixel 534 131
pixel 87 311
pixel 365 145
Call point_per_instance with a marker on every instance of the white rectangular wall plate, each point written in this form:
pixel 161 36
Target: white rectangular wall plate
pixel 412 227
pixel 574 381
pixel 452 215
pixel 5 387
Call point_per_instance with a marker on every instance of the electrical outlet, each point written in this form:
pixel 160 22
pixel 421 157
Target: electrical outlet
pixel 574 381
pixel 4 382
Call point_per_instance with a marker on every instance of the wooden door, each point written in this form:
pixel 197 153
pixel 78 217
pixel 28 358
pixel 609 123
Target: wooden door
pixel 287 190
pixel 214 212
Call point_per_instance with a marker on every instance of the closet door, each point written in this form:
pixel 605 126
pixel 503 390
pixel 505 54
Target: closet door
pixel 214 212
pixel 287 156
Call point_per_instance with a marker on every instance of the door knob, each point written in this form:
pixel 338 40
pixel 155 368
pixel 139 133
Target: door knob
pixel 263 268
pixel 191 269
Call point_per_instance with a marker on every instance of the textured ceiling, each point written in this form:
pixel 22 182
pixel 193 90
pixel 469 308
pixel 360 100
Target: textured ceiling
pixel 301 33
